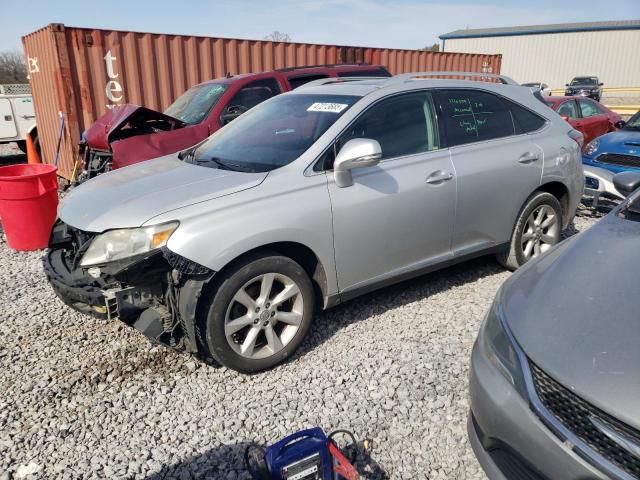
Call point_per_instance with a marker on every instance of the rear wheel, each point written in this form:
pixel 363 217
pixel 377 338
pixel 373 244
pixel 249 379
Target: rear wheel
pixel 259 313
pixel 537 229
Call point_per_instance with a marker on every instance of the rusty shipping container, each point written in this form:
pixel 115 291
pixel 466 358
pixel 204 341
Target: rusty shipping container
pixel 81 72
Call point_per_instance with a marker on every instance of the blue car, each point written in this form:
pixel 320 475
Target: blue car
pixel 617 151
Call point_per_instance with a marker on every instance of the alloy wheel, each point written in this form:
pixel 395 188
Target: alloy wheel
pixel 541 232
pixel 264 315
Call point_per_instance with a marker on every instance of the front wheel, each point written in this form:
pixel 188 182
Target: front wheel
pixel 537 229
pixel 259 313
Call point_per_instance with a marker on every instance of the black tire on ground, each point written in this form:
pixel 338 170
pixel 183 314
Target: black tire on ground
pixel 210 327
pixel 515 256
pixel 22 145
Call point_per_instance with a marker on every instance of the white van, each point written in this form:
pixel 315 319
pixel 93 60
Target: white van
pixel 17 116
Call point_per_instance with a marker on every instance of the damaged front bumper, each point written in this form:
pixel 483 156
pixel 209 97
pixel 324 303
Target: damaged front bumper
pixel 156 293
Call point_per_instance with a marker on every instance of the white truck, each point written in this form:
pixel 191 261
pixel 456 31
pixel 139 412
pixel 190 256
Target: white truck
pixel 17 116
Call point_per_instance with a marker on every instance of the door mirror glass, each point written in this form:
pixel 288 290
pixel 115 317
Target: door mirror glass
pixel 620 124
pixel 356 153
pixel 626 182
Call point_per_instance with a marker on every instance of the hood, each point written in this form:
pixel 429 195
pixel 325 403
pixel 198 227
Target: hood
pixel 131 196
pixel 575 314
pixel 101 133
pixel 620 141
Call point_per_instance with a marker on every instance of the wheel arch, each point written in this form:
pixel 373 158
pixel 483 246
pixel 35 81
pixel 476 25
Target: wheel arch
pixel 296 251
pixel 561 192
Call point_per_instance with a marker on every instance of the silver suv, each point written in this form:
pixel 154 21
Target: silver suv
pixel 312 198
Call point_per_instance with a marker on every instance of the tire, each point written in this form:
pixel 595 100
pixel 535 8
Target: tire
pixel 276 331
pixel 538 237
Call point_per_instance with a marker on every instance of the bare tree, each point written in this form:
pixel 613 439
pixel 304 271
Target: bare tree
pixel 433 48
pixel 277 36
pixel 12 67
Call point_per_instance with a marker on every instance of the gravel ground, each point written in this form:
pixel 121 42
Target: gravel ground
pixel 84 398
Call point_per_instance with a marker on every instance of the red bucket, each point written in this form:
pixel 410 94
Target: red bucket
pixel 28 204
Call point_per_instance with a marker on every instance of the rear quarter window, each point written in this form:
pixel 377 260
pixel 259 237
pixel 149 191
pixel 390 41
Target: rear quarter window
pixel 525 121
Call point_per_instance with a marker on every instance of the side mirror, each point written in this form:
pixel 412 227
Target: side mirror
pixel 600 84
pixel 626 182
pixel 356 153
pixel 620 124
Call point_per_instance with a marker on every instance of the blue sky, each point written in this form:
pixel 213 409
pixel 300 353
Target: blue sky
pixel 378 23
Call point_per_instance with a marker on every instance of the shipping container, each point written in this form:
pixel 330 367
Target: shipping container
pixel 78 73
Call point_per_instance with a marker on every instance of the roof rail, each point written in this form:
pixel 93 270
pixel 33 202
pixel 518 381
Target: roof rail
pixel 327 65
pixel 408 77
pixel 328 80
pixel 465 75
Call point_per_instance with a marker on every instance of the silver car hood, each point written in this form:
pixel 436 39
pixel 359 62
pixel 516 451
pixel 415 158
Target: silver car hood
pixel 575 314
pixel 130 196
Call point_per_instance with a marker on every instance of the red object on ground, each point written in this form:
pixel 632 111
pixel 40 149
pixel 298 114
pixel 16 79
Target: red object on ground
pixel 32 153
pixel 341 465
pixel 28 204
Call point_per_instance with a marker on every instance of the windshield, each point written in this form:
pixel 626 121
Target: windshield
pixel 633 123
pixel 194 105
pixel 272 134
pixel 584 81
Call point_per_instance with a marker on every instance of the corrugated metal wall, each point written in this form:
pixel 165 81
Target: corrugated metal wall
pixel 82 72
pixel 556 58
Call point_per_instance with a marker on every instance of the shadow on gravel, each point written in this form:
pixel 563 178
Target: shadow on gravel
pixel 380 301
pixel 224 463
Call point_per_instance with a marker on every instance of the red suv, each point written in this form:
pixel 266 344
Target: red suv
pixel 129 134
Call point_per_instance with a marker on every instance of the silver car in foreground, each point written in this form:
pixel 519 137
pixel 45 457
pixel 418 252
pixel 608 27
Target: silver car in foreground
pixel 312 198
pixel 555 371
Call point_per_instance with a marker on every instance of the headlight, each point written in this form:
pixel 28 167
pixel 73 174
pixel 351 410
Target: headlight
pixel 592 147
pixel 127 242
pixel 501 349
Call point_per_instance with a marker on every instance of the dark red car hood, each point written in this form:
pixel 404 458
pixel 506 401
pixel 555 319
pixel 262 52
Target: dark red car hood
pixel 98 135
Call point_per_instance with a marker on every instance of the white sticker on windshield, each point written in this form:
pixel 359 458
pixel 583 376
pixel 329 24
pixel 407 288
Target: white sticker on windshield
pixel 327 107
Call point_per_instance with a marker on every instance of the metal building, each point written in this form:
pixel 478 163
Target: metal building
pixel 554 54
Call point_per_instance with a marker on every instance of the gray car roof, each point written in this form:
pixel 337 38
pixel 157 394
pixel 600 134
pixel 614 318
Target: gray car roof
pixel 364 87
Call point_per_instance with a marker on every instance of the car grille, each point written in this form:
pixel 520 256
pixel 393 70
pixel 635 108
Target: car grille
pixel 574 414
pixel 619 159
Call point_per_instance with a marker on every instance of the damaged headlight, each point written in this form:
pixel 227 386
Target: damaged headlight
pixel 501 347
pixel 127 242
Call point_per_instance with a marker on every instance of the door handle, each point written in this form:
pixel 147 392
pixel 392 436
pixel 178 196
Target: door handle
pixel 439 177
pixel 528 157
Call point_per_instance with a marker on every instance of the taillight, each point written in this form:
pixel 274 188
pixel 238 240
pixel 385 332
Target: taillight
pixel 577 136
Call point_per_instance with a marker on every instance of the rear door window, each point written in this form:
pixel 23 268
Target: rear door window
pixel 298 81
pixel 568 109
pixel 376 72
pixel 474 116
pixel 255 93
pixel 589 109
